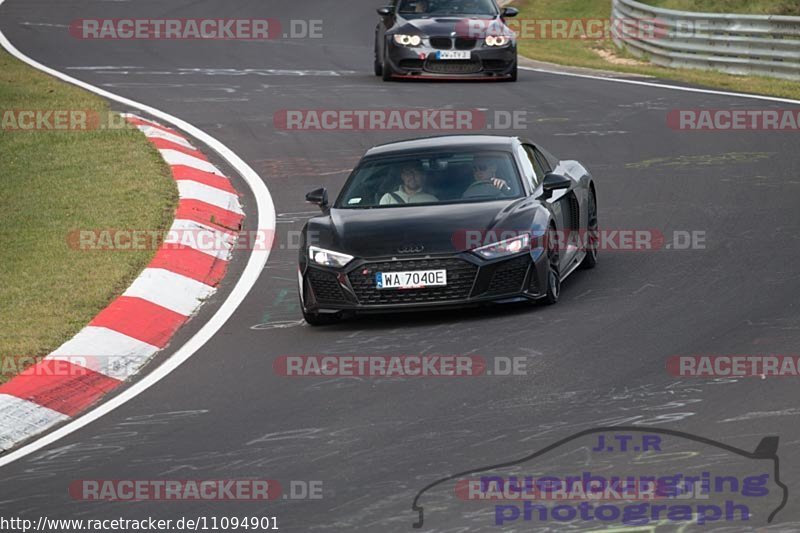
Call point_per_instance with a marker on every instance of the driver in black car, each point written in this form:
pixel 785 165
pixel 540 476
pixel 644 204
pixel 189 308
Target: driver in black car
pixel 485 171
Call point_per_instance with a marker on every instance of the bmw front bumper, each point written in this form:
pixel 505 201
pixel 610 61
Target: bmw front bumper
pixel 422 62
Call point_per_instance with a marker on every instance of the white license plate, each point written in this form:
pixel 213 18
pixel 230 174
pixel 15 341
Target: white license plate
pixel 453 54
pixel 417 279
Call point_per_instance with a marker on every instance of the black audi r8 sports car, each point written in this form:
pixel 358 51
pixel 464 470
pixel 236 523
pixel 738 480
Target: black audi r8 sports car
pixel 456 39
pixel 447 221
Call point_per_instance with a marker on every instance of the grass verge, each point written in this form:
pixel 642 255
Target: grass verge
pixel 603 54
pixel 54 182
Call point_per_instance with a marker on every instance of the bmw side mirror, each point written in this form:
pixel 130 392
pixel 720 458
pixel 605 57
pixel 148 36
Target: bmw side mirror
pixel 318 197
pixel 510 12
pixel 554 182
pixel 385 11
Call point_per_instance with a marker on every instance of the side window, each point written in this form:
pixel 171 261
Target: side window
pixel 550 161
pixel 528 171
pixel 530 152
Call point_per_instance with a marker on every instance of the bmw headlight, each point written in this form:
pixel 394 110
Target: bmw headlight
pixel 507 247
pixel 496 40
pixel 408 40
pixel 329 258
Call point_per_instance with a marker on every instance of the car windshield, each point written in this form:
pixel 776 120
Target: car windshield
pixel 438 178
pixel 447 7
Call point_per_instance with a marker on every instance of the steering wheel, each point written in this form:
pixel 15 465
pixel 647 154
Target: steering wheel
pixel 481 188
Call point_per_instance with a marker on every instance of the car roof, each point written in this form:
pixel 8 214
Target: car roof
pixel 445 142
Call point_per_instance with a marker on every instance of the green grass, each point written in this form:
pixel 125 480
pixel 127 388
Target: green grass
pixel 585 53
pixel 57 182
pixel 760 7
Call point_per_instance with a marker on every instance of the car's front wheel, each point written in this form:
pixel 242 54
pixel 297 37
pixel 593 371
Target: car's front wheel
pixel 553 291
pixel 377 65
pixel 513 74
pixel 592 235
pixel 386 68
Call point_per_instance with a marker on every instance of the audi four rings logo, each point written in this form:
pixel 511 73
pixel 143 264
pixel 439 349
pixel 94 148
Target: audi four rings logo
pixel 410 249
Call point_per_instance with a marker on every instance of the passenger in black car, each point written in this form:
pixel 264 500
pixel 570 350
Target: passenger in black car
pixel 412 190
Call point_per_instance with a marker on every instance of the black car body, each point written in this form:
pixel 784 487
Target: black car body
pixel 370 241
pixel 449 40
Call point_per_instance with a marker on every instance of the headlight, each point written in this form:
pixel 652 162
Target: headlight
pixel 496 40
pixel 408 40
pixel 325 257
pixel 506 247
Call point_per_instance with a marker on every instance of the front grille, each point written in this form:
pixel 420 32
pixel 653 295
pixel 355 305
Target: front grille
pixel 454 66
pixel 509 276
pixel 412 64
pixel 465 43
pixel 460 277
pixel 325 286
pixel 441 43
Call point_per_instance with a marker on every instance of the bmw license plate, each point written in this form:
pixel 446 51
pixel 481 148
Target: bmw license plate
pixel 417 279
pixel 454 54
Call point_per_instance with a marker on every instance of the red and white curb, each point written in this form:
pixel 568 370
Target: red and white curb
pixel 125 335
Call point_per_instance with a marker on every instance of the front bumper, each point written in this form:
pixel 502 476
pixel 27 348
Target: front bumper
pixel 470 281
pixel 421 62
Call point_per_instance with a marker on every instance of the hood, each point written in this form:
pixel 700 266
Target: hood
pixel 382 232
pixel 443 26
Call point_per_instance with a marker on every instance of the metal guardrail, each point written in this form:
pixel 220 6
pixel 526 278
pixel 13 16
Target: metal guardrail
pixel 763 45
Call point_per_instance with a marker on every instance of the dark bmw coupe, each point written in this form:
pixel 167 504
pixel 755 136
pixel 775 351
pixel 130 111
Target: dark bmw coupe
pixel 447 221
pixel 458 39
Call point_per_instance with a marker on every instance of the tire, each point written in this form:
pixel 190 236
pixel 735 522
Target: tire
pixel 553 273
pixel 590 261
pixel 386 68
pixel 377 65
pixel 513 76
pixel 315 319
pixel 386 71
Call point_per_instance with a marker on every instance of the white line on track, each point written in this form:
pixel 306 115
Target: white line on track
pixel 253 269
pixel 663 86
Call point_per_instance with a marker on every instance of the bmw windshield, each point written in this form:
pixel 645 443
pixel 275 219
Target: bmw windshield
pixel 440 178
pixel 425 8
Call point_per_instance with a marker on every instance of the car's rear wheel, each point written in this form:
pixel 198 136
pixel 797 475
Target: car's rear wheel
pixel 553 271
pixel 592 234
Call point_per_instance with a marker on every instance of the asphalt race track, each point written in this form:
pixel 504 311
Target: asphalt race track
pixel 595 359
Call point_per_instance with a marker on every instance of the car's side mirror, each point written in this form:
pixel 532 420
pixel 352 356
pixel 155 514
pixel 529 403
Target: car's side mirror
pixel 554 182
pixel 386 11
pixel 318 197
pixel 510 12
